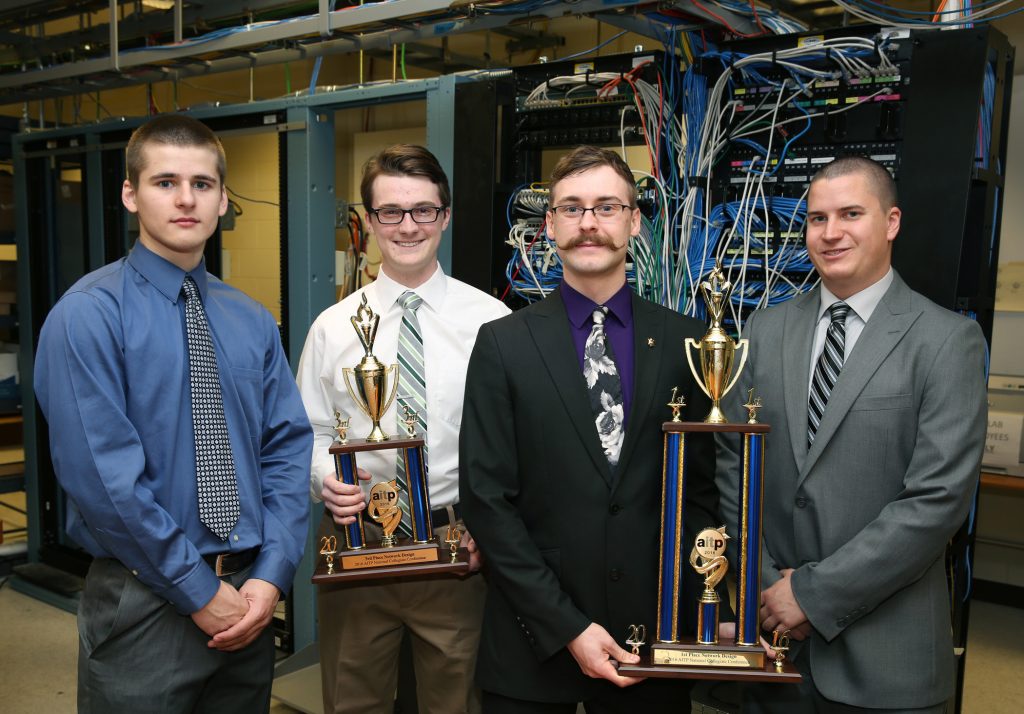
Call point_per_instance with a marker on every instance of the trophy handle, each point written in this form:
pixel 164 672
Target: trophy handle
pixel 393 370
pixel 689 358
pixel 743 344
pixel 353 391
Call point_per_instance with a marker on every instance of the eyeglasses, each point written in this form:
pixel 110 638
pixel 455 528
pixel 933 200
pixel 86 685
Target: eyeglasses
pixel 603 212
pixel 420 214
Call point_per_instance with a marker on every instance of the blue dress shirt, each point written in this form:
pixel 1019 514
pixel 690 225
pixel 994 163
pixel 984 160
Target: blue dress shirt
pixel 111 376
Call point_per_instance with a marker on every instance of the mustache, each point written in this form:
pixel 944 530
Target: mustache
pixel 595 240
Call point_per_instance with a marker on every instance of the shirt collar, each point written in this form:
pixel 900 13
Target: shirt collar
pixel 580 308
pixel 164 275
pixel 863 304
pixel 432 292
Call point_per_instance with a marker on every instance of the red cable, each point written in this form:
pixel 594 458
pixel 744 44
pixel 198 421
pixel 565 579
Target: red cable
pixel 643 122
pixel 515 275
pixel 729 27
pixel 757 18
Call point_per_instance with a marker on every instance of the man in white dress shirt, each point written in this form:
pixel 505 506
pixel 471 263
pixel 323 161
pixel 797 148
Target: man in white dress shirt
pixel 407 200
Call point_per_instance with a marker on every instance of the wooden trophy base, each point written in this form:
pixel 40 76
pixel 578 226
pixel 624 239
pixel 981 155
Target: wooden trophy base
pixel 403 560
pixel 721 662
pixel 356 445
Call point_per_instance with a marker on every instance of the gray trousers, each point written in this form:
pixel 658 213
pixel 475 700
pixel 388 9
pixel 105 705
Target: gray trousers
pixel 804 698
pixel 138 655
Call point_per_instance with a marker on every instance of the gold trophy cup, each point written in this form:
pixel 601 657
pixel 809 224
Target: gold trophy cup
pixel 717 350
pixel 368 382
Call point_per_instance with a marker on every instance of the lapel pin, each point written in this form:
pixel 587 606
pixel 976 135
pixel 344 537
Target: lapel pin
pixel 650 342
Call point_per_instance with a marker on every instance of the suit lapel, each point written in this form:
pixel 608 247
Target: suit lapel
pixel 646 367
pixel 797 336
pixel 549 326
pixel 887 326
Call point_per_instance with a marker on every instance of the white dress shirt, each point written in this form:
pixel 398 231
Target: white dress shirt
pixel 862 305
pixel 450 317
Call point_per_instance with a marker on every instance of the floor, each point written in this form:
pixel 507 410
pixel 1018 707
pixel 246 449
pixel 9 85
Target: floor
pixel 39 648
pixel 39 645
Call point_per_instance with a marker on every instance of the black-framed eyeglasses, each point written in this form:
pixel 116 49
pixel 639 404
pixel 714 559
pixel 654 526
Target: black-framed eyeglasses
pixel 602 212
pixel 420 214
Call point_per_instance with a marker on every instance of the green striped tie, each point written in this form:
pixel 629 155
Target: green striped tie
pixel 412 386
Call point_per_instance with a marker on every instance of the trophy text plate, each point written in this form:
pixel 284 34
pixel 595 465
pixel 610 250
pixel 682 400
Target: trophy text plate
pixel 714 662
pixel 768 674
pixel 430 559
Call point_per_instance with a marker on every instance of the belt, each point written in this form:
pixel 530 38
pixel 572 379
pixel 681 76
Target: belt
pixel 231 563
pixel 439 516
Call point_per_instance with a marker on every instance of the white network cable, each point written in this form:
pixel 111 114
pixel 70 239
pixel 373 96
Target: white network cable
pixel 895 17
pixel 719 129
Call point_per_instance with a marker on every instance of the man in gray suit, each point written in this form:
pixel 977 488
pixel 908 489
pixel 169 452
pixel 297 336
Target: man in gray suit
pixel 876 397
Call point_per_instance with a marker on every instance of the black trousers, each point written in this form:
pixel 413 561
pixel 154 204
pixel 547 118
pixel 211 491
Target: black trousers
pixel 660 696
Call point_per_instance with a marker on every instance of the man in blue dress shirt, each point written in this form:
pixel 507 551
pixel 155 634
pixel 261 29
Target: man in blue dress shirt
pixel 177 431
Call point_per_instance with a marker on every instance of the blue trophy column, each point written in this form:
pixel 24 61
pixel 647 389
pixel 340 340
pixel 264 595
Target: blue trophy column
pixel 707 619
pixel 419 499
pixel 748 590
pixel 673 494
pixel 345 465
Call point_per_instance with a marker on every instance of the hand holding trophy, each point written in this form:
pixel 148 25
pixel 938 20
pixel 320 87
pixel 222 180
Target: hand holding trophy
pixel 372 386
pixel 704 657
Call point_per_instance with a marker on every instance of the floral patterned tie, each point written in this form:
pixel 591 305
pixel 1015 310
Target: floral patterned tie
pixel 604 388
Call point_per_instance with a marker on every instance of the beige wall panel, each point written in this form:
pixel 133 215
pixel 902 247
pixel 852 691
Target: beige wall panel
pixel 254 244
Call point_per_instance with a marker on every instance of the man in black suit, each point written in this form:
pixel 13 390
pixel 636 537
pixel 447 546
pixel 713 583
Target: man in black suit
pixel 560 455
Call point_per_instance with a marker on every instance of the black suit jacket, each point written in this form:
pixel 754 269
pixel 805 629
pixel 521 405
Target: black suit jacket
pixel 568 540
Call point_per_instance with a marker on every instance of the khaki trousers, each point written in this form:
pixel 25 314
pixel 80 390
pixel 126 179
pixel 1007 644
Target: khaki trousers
pixel 360 631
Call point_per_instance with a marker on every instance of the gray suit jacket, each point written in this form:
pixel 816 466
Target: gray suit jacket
pixel 864 515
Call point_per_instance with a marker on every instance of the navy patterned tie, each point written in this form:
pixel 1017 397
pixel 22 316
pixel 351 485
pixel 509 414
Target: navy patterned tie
pixel 215 465
pixel 604 388
pixel 826 371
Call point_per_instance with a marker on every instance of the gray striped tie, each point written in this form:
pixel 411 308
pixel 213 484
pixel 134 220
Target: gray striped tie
pixel 826 371
pixel 412 384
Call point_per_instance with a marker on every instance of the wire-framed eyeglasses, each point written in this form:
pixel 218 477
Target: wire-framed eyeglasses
pixel 420 214
pixel 602 212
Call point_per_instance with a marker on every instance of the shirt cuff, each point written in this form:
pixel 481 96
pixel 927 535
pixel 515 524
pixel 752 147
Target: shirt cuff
pixel 194 591
pixel 319 474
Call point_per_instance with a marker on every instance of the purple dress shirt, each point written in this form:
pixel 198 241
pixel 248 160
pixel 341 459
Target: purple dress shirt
pixel 618 326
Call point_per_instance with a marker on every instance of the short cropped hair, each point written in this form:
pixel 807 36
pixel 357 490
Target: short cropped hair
pixel 176 130
pixel 584 158
pixel 878 177
pixel 404 160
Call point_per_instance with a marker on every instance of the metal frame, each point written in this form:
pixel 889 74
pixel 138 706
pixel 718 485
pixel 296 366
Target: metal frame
pixel 309 143
pixel 367 27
